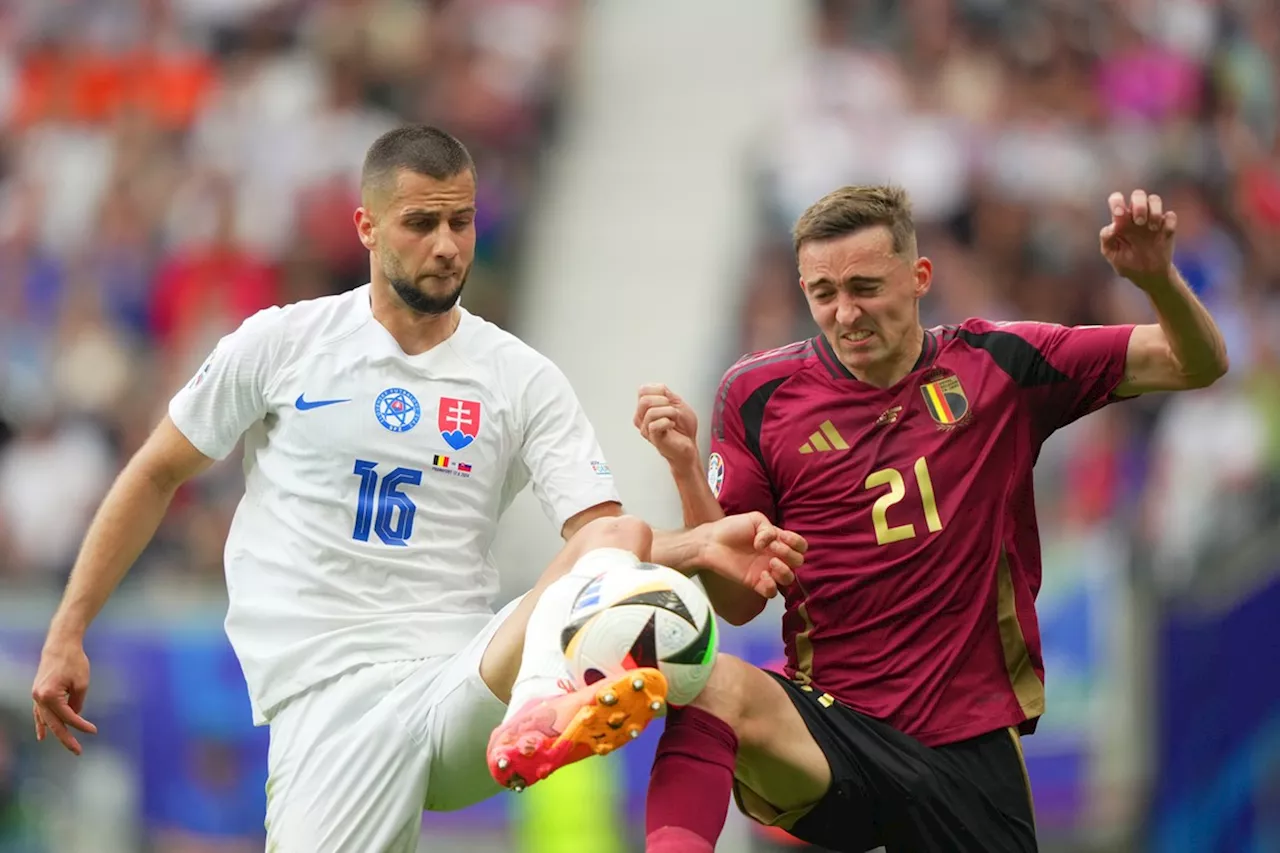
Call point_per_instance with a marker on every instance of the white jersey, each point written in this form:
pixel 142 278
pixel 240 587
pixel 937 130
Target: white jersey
pixel 374 481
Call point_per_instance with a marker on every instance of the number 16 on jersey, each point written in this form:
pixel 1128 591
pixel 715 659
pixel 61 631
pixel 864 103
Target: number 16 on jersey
pixel 384 509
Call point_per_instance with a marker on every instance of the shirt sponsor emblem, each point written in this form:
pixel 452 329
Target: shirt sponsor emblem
pixel 601 469
pixel 946 401
pixel 459 421
pixel 397 410
pixel 889 416
pixel 715 473
pixel 303 405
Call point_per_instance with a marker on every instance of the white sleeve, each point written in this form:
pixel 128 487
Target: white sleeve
pixel 560 448
pixel 228 394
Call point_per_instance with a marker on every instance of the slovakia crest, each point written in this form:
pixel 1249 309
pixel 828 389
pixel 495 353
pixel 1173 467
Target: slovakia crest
pixel 459 421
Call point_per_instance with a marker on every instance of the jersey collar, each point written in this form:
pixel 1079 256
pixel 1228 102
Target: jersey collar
pixel 829 359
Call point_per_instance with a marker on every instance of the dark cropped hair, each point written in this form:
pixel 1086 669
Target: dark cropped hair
pixel 417 148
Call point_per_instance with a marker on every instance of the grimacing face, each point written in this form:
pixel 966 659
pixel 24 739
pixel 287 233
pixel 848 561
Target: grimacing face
pixel 423 237
pixel 864 298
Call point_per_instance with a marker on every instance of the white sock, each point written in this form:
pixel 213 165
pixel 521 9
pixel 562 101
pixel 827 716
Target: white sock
pixel 543 664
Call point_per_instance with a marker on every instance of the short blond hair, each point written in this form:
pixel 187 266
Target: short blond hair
pixel 850 209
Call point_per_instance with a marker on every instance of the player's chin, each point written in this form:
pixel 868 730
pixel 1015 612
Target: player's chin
pixel 441 288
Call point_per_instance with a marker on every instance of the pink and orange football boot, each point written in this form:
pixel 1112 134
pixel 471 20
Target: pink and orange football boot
pixel 547 734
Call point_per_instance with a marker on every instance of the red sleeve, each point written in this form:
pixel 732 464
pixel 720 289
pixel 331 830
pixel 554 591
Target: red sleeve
pixel 1083 366
pixel 736 474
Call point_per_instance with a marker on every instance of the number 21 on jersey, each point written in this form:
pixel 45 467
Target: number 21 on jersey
pixel 893 478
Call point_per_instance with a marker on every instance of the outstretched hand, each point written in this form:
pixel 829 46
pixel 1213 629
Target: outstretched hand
pixel 750 550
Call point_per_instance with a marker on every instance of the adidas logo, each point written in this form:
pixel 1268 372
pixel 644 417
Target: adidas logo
pixel 826 438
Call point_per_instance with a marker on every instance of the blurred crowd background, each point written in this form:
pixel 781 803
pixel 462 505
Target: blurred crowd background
pixel 168 167
pixel 1010 123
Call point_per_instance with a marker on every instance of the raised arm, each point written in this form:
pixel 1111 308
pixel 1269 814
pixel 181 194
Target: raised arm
pixel 575 485
pixel 1185 349
pixel 671 425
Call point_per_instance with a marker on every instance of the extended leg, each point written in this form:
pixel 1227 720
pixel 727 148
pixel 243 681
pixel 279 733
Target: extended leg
pixel 548 726
pixel 830 775
pixel 506 657
pixel 744 724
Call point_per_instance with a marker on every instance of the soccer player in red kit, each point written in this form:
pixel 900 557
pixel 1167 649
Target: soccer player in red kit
pixel 904 457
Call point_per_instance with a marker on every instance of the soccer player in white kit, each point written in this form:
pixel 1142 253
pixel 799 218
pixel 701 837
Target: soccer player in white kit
pixel 385 431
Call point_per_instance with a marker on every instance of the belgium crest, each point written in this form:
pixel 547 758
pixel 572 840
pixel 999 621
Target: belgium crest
pixel 946 401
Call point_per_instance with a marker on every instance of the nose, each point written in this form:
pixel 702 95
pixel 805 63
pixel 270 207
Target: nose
pixel 848 311
pixel 444 247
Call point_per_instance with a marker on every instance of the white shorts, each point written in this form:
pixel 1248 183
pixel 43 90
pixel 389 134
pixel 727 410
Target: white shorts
pixel 354 761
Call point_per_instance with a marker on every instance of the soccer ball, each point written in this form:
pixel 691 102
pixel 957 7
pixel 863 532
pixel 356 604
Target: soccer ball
pixel 642 616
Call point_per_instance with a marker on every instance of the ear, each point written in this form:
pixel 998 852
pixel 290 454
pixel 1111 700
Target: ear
pixel 364 228
pixel 923 271
pixel 803 289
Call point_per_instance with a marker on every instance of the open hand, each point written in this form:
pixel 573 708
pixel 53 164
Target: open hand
pixel 1138 241
pixel 750 550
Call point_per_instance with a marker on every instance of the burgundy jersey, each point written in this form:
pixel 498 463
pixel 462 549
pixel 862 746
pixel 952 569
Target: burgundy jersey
pixel 916 602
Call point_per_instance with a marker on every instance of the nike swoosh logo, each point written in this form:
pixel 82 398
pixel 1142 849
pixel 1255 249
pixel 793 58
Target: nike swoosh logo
pixel 302 405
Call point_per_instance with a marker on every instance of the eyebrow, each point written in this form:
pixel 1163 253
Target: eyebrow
pixel 425 211
pixel 853 279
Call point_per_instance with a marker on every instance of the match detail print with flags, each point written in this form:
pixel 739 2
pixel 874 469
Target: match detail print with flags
pixel 945 399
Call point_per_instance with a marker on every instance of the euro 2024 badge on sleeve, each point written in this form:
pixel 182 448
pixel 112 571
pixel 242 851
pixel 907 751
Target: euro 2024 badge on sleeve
pixel 715 473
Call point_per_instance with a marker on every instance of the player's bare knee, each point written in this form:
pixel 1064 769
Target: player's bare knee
pixel 726 693
pixel 746 698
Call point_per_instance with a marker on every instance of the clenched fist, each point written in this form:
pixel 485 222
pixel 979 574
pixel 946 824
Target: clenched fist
pixel 668 423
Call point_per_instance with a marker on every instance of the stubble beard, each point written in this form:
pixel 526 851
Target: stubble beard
pixel 417 299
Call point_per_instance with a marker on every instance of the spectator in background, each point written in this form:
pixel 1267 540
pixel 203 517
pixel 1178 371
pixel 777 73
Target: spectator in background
pixel 209 285
pixel 55 470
